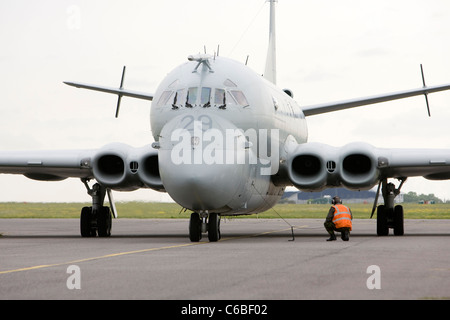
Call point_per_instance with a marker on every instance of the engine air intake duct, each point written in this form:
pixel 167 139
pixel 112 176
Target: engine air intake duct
pixel 307 166
pixel 359 167
pixel 121 167
pixel 314 167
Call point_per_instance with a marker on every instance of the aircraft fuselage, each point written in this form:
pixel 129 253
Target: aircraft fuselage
pixel 221 131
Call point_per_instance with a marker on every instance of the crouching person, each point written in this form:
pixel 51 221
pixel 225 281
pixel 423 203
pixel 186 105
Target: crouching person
pixel 339 219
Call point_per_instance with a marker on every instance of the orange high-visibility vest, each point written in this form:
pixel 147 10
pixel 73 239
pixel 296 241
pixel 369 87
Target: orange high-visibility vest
pixel 342 217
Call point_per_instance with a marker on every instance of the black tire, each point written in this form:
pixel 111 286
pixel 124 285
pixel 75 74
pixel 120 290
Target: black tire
pixel 214 227
pixel 398 221
pixel 86 228
pixel 104 222
pixel 382 223
pixel 195 227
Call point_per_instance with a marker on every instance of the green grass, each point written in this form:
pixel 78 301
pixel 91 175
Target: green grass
pixel 360 211
pixel 140 210
pixel 145 210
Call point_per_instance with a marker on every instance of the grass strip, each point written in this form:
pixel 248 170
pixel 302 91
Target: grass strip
pixel 150 210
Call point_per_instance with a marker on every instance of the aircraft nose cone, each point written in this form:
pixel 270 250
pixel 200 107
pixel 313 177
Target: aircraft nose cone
pixel 202 161
pixel 198 188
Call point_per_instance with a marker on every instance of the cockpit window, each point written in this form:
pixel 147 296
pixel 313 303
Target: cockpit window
pixel 180 97
pixel 173 84
pixel 205 96
pixel 219 95
pixel 192 95
pixel 164 98
pixel 239 97
pixel 229 83
pixel 275 103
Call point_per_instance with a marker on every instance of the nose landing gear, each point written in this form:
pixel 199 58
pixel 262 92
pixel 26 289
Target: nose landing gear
pixel 202 223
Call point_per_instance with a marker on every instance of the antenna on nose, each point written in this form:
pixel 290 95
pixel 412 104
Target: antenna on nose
pixel 201 59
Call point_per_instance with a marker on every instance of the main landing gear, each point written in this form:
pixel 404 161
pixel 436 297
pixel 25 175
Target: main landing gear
pixel 202 223
pixel 389 215
pixel 96 219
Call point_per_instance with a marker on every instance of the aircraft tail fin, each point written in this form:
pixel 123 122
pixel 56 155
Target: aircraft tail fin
pixel 270 72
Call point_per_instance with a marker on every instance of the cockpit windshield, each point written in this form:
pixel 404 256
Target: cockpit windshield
pixel 192 96
pixel 164 98
pixel 239 97
pixel 203 97
pixel 219 96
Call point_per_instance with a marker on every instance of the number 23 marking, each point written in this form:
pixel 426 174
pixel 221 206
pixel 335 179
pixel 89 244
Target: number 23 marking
pixel 188 121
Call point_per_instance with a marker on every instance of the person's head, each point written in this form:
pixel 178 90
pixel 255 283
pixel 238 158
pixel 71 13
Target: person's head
pixel 336 200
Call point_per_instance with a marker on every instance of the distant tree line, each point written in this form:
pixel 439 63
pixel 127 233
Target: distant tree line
pixel 416 198
pixel 319 197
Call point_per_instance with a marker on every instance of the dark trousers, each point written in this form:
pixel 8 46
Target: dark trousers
pixel 331 228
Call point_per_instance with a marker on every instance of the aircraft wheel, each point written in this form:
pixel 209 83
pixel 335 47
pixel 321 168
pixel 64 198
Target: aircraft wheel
pixel 398 221
pixel 104 222
pixel 86 223
pixel 382 223
pixel 214 227
pixel 195 227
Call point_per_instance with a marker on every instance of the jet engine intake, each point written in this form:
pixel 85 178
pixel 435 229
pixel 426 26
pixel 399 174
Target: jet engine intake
pixel 314 167
pixel 359 166
pixel 124 168
pixel 307 167
pixel 149 171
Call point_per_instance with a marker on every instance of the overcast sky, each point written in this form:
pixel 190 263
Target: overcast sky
pixel 327 50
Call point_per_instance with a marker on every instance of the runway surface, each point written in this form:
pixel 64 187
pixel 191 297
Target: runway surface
pixel 154 259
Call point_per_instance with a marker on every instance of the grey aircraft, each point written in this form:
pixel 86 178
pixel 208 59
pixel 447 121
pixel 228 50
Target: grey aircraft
pixel 228 142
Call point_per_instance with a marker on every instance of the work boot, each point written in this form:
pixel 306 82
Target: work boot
pixel 345 235
pixel 332 237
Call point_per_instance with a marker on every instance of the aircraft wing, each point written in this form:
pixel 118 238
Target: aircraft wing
pixel 360 166
pixel 47 165
pixel 347 104
pixel 432 164
pixel 115 166
pixel 118 91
